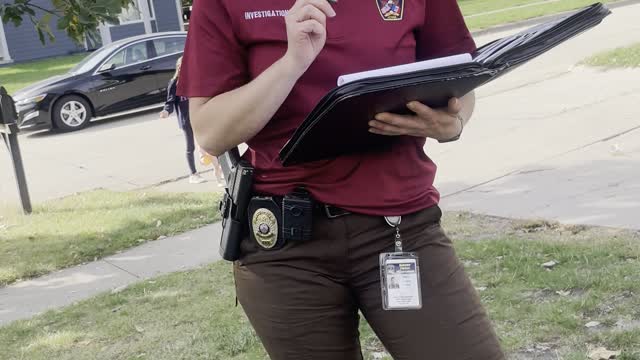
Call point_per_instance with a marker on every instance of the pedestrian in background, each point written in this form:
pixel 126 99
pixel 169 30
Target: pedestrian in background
pixel 180 105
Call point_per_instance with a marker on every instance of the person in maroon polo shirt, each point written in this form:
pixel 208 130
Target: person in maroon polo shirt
pixel 253 71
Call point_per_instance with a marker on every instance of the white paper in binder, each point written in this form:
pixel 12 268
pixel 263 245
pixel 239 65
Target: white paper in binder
pixel 407 68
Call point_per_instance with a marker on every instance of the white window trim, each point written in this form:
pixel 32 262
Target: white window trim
pixel 141 9
pixel 152 9
pixel 145 12
pixel 130 22
pixel 105 32
pixel 180 19
pixel 4 46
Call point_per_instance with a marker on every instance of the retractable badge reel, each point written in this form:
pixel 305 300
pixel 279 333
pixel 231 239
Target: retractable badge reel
pixel 400 275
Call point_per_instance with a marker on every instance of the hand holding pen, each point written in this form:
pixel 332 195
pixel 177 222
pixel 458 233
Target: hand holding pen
pixel 306 25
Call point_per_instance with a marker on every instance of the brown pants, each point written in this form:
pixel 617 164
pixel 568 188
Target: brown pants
pixel 303 299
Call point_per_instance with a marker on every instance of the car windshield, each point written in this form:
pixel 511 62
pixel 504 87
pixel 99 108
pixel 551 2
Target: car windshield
pixel 92 60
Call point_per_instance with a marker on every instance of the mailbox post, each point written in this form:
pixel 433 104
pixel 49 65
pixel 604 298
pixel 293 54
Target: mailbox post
pixel 9 132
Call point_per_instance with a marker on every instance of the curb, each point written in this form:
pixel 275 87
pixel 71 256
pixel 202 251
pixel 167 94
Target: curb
pixel 541 19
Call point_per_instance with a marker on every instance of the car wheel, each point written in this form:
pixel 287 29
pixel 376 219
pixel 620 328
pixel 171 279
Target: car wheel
pixel 71 113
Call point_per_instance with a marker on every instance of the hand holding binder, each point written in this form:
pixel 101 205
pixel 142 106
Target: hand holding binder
pixel 443 124
pixel 343 114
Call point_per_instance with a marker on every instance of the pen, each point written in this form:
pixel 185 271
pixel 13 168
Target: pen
pixel 332 1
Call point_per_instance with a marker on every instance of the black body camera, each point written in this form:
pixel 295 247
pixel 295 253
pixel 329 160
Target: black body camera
pixel 297 216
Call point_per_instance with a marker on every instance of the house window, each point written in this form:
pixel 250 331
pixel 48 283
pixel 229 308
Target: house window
pixel 133 14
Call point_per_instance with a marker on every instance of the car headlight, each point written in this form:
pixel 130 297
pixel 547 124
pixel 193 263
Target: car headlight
pixel 31 100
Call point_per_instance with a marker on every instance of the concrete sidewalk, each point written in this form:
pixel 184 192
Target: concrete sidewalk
pixel 553 139
pixel 187 251
pixel 549 140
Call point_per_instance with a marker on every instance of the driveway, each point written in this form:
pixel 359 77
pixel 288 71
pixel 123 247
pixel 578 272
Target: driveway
pixel 121 154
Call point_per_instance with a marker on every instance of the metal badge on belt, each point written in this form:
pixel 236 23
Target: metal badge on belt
pixel 265 219
pixel 265 228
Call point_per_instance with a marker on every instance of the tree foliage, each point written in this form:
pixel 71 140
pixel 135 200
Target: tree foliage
pixel 75 17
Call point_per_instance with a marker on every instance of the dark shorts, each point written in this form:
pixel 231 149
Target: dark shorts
pixel 303 300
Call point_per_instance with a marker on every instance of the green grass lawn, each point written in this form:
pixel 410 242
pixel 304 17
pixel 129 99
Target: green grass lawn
pixel 627 57
pixel 539 313
pixel 15 77
pixel 81 228
pixel 502 14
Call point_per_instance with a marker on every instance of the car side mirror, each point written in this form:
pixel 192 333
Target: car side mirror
pixel 106 68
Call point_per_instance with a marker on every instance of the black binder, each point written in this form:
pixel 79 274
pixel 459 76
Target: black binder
pixel 338 124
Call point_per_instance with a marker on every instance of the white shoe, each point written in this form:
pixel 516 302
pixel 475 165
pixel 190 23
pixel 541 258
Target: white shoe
pixel 196 179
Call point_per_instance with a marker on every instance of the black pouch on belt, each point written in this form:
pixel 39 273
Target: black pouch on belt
pixel 297 216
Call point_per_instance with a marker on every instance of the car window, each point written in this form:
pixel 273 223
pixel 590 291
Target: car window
pixel 92 60
pixel 166 46
pixel 130 55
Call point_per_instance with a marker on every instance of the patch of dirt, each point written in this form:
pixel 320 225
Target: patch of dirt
pixel 627 325
pixel 547 295
pixel 542 351
pixel 469 226
pixel 612 303
pixel 477 227
pixel 535 226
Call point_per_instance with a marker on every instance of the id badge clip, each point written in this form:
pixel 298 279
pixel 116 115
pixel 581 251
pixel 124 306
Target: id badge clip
pixel 400 275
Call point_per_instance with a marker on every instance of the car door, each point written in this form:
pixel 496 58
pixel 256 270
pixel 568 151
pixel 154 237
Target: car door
pixel 168 50
pixel 126 81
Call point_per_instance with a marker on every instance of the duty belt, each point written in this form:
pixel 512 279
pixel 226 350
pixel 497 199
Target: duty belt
pixel 276 220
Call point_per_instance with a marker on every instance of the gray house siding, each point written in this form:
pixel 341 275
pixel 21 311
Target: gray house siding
pixel 127 30
pixel 167 15
pixel 24 44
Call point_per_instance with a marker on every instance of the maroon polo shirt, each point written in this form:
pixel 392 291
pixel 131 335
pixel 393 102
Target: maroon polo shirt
pixel 231 42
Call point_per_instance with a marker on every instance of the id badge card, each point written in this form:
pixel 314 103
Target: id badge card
pixel 400 280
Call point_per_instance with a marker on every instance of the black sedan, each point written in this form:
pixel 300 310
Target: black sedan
pixel 126 76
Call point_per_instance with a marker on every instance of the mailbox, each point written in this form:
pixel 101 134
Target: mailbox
pixel 8 114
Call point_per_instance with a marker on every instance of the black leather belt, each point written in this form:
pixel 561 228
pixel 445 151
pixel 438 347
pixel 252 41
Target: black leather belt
pixel 330 211
pixel 333 212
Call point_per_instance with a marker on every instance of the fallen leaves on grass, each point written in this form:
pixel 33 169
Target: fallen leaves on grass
pixel 603 354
